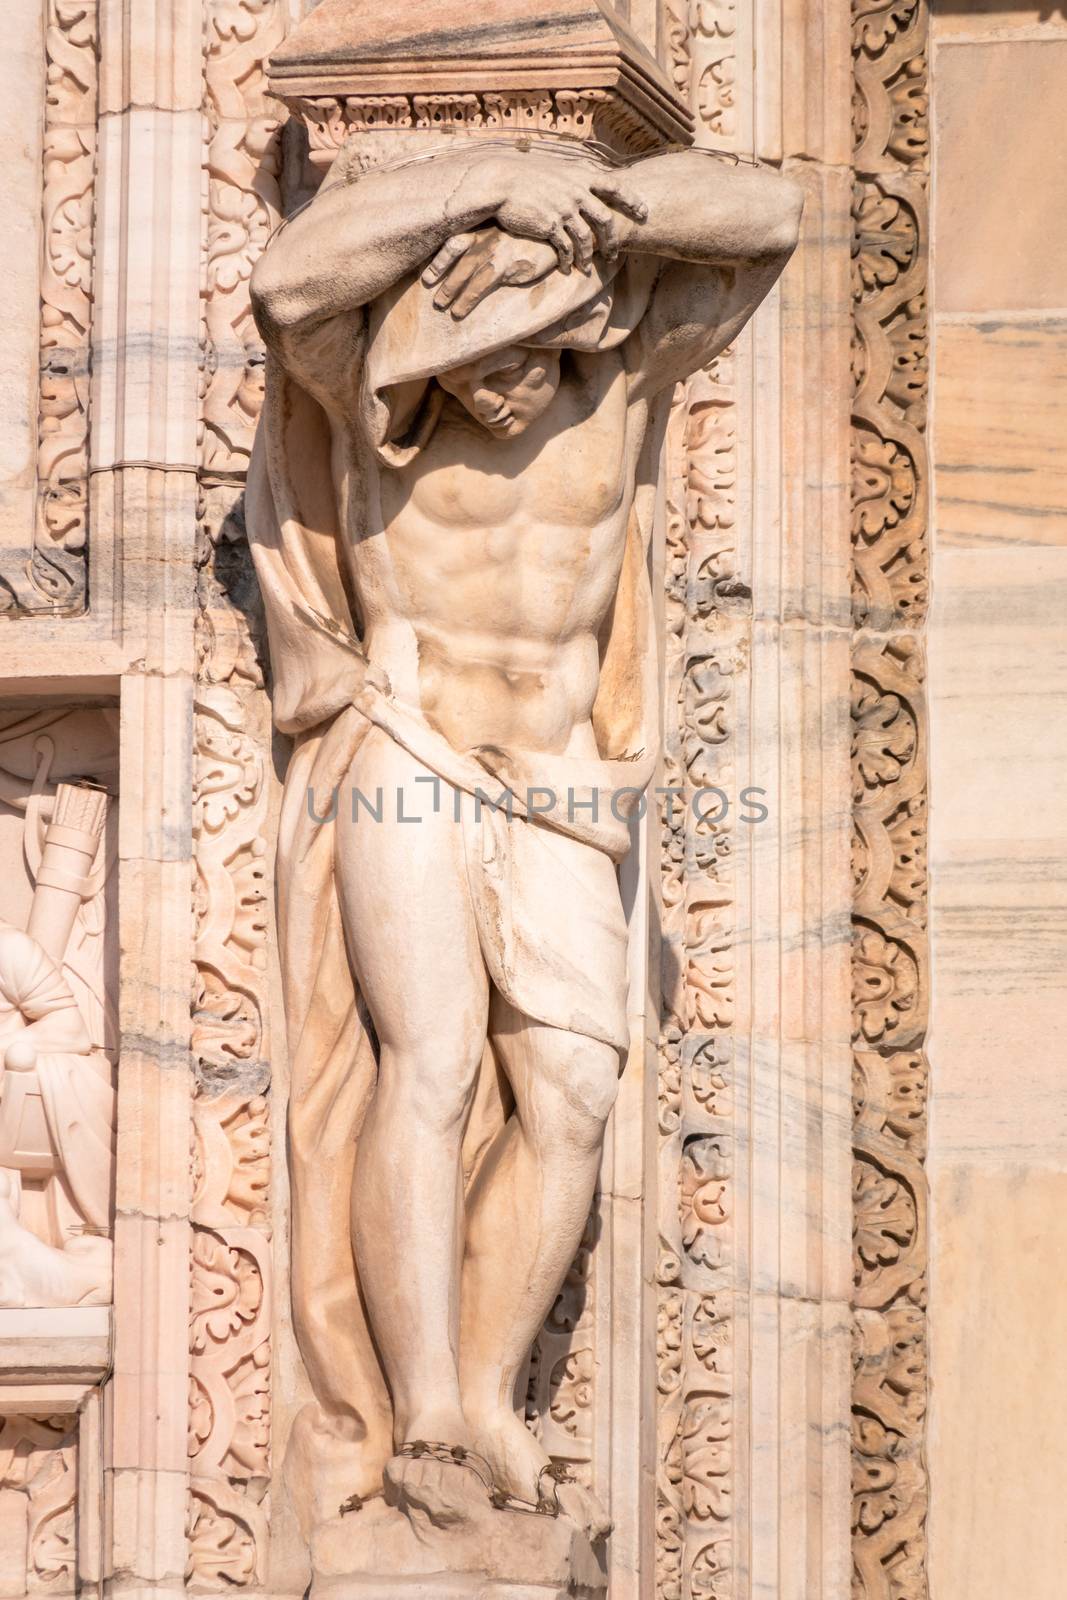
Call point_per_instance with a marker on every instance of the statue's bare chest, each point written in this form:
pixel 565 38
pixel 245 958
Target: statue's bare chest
pixel 569 471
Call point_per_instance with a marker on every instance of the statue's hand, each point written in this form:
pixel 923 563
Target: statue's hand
pixel 571 204
pixel 471 265
pixel 575 209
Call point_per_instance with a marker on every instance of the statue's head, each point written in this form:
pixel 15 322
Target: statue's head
pixel 507 390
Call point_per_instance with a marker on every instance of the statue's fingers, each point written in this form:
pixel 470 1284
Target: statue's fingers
pixel 459 275
pixel 622 196
pixel 584 239
pixel 481 283
pixel 602 220
pixel 450 252
pixel 562 244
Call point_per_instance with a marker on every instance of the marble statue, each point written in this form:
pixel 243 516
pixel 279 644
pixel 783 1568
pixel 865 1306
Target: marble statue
pixel 57 1098
pixel 471 344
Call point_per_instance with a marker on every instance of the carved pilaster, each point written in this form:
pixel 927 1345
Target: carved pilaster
pixel 707 608
pixel 231 1294
pixel 706 601
pixel 53 580
pixel 243 205
pixel 890 950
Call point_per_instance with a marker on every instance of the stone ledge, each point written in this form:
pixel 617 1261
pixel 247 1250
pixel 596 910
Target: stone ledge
pixel 44 1350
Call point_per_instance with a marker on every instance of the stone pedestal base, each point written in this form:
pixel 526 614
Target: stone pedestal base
pixel 436 1537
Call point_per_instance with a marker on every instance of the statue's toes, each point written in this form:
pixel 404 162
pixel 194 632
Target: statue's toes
pixel 443 1492
pixel 584 1510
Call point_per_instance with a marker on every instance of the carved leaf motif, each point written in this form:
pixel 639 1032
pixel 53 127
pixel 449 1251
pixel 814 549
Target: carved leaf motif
pixel 884 1216
pixel 909 342
pixel 226 776
pixel 709 1077
pixel 715 100
pixel 708 1460
pixel 711 1336
pixel 703 1200
pixel 669 1344
pixel 710 968
pixel 670 1080
pixel 713 18
pixel 231 1169
pixel 883 486
pixel 907 830
pixel 668 1551
pixel 909 102
pixel 222 1537
pixel 230 1349
pixel 876 24
pixel 711 475
pixel 38 1457
pixel 709 690
pixel 711 1572
pixel 874 1476
pixel 226 1291
pixel 234 215
pixel 889 1095
pixel 883 738
pixel 885 986
pixel 885 238
pixel 571 1386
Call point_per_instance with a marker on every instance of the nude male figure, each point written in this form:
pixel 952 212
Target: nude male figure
pixel 483 580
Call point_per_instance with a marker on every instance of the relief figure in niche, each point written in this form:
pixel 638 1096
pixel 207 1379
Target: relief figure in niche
pixel 57 1019
pixel 472 344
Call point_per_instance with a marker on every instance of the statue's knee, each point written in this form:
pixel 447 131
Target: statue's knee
pixel 591 1085
pixel 430 1087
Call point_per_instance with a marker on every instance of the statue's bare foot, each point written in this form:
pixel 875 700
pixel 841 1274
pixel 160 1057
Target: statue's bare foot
pixel 444 1492
pixel 518 1465
pixel 583 1508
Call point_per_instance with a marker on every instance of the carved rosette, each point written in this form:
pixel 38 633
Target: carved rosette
pixel 890 947
pixel 708 605
pixel 54 580
pixel 231 1293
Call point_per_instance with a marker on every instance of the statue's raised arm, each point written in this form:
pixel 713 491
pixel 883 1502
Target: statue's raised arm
pixel 361 235
pixel 722 232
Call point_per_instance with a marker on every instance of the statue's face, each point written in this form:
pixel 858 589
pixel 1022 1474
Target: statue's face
pixel 507 390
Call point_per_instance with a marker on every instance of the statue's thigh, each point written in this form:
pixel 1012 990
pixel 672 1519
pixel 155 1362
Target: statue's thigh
pixel 406 905
pixel 557 1077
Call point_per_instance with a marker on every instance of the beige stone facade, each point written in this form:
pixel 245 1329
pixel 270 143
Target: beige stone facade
pixel 807 1347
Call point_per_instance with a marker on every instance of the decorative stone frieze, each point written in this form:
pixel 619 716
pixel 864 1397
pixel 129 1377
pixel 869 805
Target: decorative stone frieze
pixel 891 957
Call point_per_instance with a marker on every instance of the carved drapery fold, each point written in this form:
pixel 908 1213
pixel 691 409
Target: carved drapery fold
pixel 890 945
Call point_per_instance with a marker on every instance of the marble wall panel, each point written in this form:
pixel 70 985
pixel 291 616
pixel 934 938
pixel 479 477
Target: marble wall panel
pixel 1001 423
pixel 998 841
pixel 1000 216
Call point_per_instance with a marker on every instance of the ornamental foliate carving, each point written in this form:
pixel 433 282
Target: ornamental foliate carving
pixel 890 215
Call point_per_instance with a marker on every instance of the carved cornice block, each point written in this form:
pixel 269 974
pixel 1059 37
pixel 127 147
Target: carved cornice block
pixel 569 67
